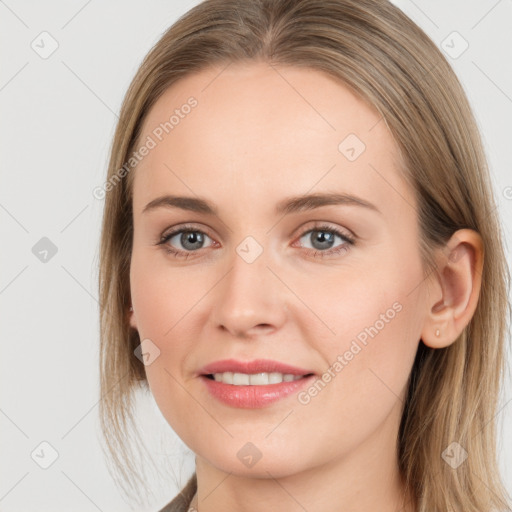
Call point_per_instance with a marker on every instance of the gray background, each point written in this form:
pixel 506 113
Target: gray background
pixel 58 118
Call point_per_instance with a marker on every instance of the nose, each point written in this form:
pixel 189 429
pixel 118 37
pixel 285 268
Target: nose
pixel 249 300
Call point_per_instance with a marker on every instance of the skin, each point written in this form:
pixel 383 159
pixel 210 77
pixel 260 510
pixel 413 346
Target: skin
pixel 258 135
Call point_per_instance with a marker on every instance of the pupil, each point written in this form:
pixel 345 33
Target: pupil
pixel 323 238
pixel 189 239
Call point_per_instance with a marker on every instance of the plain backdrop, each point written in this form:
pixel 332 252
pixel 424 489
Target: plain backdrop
pixel 57 120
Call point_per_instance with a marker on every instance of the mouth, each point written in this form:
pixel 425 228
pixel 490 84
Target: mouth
pixel 253 367
pixel 254 379
pixel 253 384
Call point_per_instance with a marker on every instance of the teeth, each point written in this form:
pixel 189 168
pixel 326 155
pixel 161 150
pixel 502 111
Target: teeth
pixel 240 379
pixel 258 379
pixel 255 379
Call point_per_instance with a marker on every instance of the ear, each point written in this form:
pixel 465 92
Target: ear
pixel 131 318
pixel 454 289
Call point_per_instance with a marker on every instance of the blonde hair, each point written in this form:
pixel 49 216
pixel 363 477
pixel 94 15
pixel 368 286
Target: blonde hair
pixel 377 51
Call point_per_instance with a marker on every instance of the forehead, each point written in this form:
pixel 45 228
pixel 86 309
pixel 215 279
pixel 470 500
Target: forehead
pixel 278 130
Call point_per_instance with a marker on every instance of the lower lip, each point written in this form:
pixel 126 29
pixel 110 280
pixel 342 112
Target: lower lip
pixel 253 397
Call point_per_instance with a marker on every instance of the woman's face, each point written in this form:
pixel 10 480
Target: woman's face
pixel 323 297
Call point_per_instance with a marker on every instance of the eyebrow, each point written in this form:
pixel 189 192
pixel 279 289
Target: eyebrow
pixel 289 205
pixel 312 201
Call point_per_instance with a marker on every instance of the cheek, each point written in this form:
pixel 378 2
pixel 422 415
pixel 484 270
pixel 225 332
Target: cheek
pixel 168 309
pixel 373 309
pixel 368 334
pixel 161 298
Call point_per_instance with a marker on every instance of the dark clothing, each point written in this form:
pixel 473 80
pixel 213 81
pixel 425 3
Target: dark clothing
pixel 181 503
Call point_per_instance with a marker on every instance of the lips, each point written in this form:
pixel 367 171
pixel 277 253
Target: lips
pixel 253 384
pixel 252 367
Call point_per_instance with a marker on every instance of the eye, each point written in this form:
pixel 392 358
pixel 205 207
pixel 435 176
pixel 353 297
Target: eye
pixel 184 241
pixel 322 240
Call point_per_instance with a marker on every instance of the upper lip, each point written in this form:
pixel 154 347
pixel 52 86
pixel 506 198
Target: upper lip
pixel 251 367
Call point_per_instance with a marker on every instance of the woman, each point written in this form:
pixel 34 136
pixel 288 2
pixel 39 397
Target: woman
pixel 301 260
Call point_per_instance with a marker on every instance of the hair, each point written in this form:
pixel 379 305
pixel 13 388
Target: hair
pixel 376 51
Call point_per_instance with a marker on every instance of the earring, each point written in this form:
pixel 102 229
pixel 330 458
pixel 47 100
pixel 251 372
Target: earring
pixel 438 332
pixel 131 308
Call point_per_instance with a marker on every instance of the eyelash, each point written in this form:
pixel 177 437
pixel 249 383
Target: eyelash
pixel 349 241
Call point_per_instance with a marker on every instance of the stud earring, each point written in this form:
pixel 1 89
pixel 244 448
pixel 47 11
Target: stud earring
pixel 438 332
pixel 131 308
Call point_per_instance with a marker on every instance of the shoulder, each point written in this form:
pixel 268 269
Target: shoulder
pixel 181 502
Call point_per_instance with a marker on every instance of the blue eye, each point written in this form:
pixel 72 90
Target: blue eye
pixel 190 239
pixel 323 238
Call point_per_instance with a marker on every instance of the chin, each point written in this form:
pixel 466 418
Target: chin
pixel 256 460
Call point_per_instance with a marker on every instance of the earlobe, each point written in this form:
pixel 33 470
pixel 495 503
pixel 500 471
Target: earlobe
pixel 455 289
